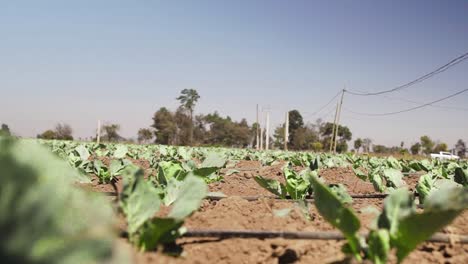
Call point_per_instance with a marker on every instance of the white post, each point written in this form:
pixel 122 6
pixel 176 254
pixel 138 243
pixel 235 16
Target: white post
pixel 98 131
pixel 258 133
pixel 261 138
pixel 267 131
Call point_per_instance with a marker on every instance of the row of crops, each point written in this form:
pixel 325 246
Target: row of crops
pixel 177 178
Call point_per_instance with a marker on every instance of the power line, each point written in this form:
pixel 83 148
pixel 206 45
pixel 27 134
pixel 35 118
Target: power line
pixel 323 107
pixel 413 108
pixel 441 69
pixel 416 102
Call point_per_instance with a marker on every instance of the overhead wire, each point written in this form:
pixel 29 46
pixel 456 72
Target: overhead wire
pixel 440 69
pixel 412 108
pixel 327 104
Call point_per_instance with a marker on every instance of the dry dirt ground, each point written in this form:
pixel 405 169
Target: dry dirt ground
pixel 235 213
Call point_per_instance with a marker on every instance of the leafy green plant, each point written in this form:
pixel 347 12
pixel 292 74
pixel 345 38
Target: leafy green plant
pixel 399 226
pixel 141 200
pixel 208 169
pixel 108 174
pixel 43 217
pixel 297 185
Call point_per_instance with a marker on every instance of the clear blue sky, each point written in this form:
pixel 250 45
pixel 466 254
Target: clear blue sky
pixel 119 61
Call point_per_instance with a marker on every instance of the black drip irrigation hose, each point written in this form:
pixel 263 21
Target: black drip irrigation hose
pixel 225 234
pixel 255 198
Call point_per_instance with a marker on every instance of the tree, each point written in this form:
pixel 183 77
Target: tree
pixel 440 147
pixel 188 99
pixel 111 132
pixel 184 124
pixel 427 144
pixel 63 131
pixel 225 132
pixel 303 138
pixel 317 146
pixel 5 130
pixel 278 136
pixel 380 149
pixel 295 122
pixel 460 148
pixel 357 144
pixel 165 126
pixel 48 134
pixel 145 135
pixel 415 148
pixel 344 135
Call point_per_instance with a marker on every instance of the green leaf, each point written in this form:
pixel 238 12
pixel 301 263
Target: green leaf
pixel 120 152
pixel 115 168
pixel 139 200
pixel 157 231
pixel 171 191
pixel 204 172
pixel 340 191
pixel 377 181
pixel 397 205
pixel 82 152
pixel 440 209
pixel 424 186
pixel 461 176
pixel 297 186
pixel 215 160
pixel 378 246
pixel 337 214
pixel 361 175
pixel 190 196
pixel 272 186
pixel 169 170
pixel 427 185
pixel 43 217
pixel 315 164
pixel 394 178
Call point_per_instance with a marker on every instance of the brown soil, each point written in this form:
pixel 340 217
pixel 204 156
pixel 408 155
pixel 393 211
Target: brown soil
pixel 235 213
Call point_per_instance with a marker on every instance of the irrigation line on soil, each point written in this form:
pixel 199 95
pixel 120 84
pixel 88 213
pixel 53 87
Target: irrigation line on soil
pixel 255 198
pixel 224 234
pixel 259 168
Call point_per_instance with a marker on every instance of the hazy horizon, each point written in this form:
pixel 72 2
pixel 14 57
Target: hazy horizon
pixel 120 61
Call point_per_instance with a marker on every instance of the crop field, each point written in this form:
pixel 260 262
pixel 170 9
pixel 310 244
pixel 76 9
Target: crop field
pixel 165 204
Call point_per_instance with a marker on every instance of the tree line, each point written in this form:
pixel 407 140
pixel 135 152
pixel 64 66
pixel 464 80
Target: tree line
pixel 182 127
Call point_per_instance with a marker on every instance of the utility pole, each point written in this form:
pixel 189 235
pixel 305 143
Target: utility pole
pixel 98 131
pixel 338 120
pixel 333 129
pixel 258 132
pixel 261 138
pixel 286 131
pixel 267 131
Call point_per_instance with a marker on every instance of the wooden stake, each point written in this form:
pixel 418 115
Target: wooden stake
pixel 286 131
pixel 338 120
pixel 267 131
pixel 333 129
